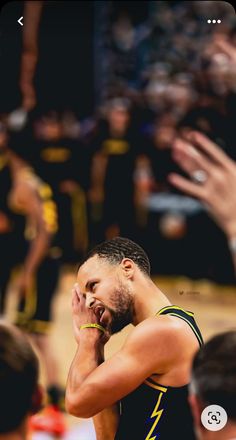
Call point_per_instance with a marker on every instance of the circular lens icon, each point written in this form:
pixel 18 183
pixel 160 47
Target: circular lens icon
pixel 214 417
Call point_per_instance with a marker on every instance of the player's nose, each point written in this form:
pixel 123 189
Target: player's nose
pixel 89 300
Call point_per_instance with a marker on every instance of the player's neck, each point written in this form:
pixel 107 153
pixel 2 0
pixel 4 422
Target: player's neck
pixel 118 131
pixel 148 300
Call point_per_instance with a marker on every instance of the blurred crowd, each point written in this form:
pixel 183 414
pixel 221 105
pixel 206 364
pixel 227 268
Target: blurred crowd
pixel 109 171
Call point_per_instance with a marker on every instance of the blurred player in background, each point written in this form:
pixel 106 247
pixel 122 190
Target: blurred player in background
pixel 5 218
pixel 116 148
pixel 53 67
pixel 60 161
pixel 30 224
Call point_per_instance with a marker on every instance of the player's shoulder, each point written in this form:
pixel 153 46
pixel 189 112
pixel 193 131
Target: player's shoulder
pixel 158 328
pixel 24 194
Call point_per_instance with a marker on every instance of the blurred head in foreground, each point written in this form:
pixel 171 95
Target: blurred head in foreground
pixel 214 383
pixel 20 393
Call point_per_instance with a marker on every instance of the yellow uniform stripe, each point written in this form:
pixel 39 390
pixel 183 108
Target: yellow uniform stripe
pixel 174 307
pixel 155 386
pixel 38 326
pixel 189 323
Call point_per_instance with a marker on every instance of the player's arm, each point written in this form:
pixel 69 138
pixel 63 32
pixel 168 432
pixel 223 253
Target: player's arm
pixel 32 14
pixel 94 385
pixel 97 177
pixel 91 351
pixel 43 217
pixel 106 423
pixel 90 354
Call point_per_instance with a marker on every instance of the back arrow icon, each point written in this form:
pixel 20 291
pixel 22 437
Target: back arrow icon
pixel 20 21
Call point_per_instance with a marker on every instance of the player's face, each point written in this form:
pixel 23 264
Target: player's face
pixel 51 130
pixel 118 119
pixel 107 292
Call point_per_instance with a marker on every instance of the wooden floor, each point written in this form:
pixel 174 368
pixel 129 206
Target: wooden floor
pixel 214 308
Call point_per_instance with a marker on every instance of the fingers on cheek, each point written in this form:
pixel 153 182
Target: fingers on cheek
pixel 74 295
pixel 74 304
pixel 77 297
pixel 75 301
pixel 76 291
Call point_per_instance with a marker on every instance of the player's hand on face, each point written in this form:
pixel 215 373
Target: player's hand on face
pixel 218 189
pixel 84 313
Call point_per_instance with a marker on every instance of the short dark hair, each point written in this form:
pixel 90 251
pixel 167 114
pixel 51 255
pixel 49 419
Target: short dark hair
pixel 18 377
pixel 116 249
pixel 214 372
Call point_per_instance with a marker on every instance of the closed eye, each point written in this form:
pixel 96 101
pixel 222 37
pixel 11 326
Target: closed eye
pixel 91 285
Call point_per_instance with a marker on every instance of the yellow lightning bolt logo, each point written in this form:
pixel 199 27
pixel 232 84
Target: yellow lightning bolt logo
pixel 156 413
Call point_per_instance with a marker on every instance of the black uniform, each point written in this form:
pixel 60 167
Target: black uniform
pixel 34 311
pixel 121 153
pixel 158 412
pixel 6 237
pixel 57 162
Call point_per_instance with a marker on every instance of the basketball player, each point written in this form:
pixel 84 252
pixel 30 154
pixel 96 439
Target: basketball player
pixel 116 147
pixel 141 392
pixel 32 224
pixel 214 383
pixel 59 162
pixel 20 393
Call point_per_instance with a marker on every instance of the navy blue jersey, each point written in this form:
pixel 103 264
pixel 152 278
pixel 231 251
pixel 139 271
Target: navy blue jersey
pixel 157 412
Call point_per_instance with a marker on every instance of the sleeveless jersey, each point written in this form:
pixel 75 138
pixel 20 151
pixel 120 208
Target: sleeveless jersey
pixel 157 412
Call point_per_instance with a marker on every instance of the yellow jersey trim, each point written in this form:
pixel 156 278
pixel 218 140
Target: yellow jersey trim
pixel 155 386
pixel 174 307
pixel 189 323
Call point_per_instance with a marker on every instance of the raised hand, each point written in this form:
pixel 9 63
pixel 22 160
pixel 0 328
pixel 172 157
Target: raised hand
pixel 213 177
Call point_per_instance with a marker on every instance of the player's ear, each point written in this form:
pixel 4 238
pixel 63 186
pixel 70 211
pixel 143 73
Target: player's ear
pixel 128 268
pixel 37 399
